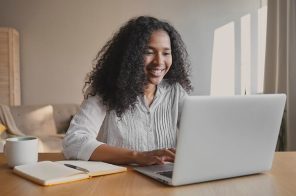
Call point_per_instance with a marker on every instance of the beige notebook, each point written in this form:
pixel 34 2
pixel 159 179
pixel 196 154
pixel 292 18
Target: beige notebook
pixel 50 173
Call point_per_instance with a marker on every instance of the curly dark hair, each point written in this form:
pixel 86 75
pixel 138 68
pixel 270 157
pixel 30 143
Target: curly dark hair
pixel 118 74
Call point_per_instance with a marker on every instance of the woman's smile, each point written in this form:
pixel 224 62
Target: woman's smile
pixel 156 72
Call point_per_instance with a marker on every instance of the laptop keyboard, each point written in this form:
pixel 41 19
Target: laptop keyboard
pixel 168 174
pixel 158 168
pixel 164 170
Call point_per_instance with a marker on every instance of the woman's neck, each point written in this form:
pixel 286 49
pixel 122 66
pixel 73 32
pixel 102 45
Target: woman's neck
pixel 149 93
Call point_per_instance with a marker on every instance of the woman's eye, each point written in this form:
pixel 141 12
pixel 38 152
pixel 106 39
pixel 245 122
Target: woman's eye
pixel 148 52
pixel 167 53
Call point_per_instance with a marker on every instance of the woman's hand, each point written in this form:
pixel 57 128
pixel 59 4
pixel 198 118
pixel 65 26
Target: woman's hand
pixel 158 157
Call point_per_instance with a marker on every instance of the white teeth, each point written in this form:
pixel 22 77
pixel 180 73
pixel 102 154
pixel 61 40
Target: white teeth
pixel 156 72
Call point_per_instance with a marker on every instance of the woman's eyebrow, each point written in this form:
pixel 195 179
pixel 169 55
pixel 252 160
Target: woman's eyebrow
pixel 153 48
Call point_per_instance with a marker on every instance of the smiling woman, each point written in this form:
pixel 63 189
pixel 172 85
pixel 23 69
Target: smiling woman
pixel 119 76
pixel 134 96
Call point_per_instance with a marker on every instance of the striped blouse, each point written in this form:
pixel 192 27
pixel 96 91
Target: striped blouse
pixel 142 129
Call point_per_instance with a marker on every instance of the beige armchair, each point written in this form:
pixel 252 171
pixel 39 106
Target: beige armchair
pixel 47 122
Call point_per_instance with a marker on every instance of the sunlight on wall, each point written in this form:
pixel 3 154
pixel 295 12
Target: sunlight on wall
pixel 262 22
pixel 246 54
pixel 223 60
pixel 249 50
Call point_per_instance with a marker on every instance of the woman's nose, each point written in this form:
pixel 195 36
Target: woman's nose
pixel 158 59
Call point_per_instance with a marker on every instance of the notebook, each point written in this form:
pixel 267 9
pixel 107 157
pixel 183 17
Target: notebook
pixel 223 137
pixel 51 173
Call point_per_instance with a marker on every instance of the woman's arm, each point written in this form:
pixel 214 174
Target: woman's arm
pixel 117 155
pixel 80 140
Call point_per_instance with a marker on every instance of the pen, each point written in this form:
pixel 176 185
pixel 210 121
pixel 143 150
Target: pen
pixel 76 167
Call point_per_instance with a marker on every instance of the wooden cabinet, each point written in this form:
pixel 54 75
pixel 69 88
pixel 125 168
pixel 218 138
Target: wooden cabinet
pixel 10 93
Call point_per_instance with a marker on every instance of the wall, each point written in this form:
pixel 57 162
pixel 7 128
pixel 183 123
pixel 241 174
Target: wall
pixel 60 38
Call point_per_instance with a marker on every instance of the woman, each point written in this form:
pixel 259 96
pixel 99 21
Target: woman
pixel 133 98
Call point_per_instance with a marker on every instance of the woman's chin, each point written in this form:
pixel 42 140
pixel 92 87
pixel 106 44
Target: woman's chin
pixel 155 81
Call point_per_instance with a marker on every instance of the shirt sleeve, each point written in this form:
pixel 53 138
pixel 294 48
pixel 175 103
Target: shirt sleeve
pixel 80 140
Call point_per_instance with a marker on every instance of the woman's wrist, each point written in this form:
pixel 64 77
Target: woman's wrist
pixel 133 156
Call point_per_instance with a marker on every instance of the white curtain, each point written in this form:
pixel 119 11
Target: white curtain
pixel 280 63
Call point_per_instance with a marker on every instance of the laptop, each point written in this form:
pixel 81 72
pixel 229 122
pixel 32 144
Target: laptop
pixel 222 137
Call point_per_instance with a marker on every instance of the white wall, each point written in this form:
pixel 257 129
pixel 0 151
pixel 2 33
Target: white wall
pixel 60 38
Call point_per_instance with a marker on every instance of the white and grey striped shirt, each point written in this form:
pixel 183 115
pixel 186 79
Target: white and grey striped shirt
pixel 142 129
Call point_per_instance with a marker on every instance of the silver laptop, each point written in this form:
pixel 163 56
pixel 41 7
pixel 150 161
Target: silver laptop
pixel 223 137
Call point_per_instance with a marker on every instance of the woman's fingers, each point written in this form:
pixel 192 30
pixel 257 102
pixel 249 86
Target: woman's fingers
pixel 172 150
pixel 165 154
pixel 156 156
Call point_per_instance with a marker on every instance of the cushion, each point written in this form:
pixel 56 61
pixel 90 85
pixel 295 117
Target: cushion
pixel 2 128
pixel 2 133
pixel 63 114
pixel 34 120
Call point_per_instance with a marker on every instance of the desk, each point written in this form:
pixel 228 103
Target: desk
pixel 281 180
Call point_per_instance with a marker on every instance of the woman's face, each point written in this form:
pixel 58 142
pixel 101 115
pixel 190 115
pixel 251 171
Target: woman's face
pixel 157 57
